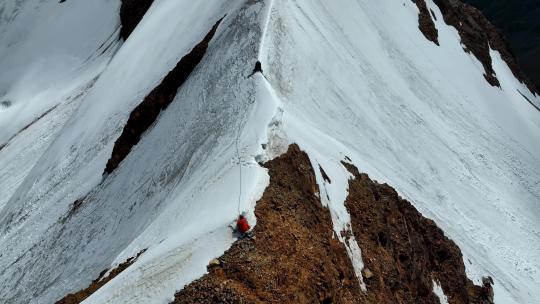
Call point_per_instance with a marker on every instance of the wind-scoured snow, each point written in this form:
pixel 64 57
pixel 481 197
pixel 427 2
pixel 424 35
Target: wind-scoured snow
pixel 352 79
pixel 161 198
pixel 50 53
pixel 45 48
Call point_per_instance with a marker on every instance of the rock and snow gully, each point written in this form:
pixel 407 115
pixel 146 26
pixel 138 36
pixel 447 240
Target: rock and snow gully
pixel 198 109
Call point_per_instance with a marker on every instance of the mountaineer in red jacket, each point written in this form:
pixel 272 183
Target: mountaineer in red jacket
pixel 242 228
pixel 242 224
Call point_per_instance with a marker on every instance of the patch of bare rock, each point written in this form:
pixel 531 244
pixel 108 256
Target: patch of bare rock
pixel 295 256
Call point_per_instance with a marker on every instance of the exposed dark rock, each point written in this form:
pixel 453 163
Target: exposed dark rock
pixel 519 22
pixel 144 115
pixel 478 35
pixel 425 23
pixel 433 15
pixel 81 295
pixel 324 175
pixel 131 13
pixel 75 206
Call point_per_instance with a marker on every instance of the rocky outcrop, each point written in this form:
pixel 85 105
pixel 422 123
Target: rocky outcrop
pixel 478 35
pixel 405 251
pixel 144 115
pixel 519 22
pixel 296 258
pixel 131 13
pixel 425 23
pixel 104 277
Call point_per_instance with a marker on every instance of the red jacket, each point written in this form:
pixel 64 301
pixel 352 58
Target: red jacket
pixel 242 225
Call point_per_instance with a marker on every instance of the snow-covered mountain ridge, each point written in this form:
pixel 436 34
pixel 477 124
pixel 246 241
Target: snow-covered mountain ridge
pixel 352 80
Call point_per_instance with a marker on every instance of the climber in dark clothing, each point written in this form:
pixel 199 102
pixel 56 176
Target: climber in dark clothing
pixel 257 69
pixel 487 289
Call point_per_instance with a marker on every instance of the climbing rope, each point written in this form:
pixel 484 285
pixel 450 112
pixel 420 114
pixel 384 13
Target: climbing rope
pixel 239 166
pixel 243 118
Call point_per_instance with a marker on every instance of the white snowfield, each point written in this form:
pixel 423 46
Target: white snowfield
pixel 350 78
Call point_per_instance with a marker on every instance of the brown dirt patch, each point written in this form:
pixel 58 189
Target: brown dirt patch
pixel 144 115
pixel 81 295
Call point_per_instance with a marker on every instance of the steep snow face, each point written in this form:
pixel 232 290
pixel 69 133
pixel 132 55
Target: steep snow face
pixel 45 45
pixel 352 79
pixel 178 199
pixel 358 79
pixel 50 55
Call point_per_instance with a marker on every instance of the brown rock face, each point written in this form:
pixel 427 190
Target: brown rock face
pixel 425 23
pixel 478 35
pixel 405 251
pixel 144 115
pixel 295 257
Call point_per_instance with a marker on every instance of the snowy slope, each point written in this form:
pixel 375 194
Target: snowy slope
pixel 45 64
pixel 158 200
pixel 45 45
pixel 420 117
pixel 340 80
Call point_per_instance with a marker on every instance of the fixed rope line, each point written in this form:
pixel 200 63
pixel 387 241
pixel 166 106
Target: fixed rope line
pixel 243 118
pixel 239 167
